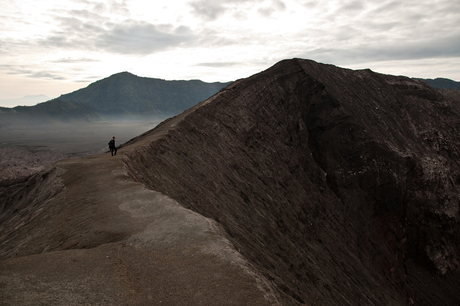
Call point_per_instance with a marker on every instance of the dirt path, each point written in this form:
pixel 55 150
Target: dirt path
pixel 106 240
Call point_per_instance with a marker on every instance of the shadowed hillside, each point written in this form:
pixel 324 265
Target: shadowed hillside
pixel 125 94
pixel 340 185
pixel 442 83
pixel 122 96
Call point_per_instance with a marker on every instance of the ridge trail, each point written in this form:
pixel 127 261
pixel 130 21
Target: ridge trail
pixel 106 240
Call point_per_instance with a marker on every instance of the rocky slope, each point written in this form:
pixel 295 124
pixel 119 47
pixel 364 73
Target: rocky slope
pixel 305 184
pixel 341 186
pixel 20 162
pixel 82 233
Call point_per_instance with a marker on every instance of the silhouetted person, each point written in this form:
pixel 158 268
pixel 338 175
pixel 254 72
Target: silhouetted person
pixel 112 146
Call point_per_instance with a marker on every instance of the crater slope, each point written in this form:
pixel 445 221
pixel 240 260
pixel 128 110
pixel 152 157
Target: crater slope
pixel 340 186
pixel 83 233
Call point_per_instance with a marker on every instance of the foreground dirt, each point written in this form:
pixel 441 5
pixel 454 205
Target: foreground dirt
pixel 20 162
pixel 94 237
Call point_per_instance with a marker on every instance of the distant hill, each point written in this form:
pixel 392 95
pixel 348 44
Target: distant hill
pixel 120 95
pixel 127 94
pixel 26 100
pixel 54 111
pixel 442 83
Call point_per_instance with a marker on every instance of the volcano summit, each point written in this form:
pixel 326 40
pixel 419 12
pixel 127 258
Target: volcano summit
pixel 305 184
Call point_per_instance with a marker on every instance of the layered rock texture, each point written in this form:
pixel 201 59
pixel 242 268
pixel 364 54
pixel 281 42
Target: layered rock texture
pixel 305 184
pixel 340 185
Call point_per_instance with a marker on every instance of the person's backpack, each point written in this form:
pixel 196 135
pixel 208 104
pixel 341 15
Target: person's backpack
pixel 111 144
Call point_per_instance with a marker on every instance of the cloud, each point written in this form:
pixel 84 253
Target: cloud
pixel 76 38
pixel 388 7
pixel 69 60
pixel 83 14
pixel 127 37
pixel 212 10
pixel 89 79
pixel 442 47
pixel 108 6
pixel 15 70
pixel 208 10
pixel 217 64
pixel 275 6
pixel 45 75
pixel 103 27
pixel 353 6
pixel 30 72
pixel 142 38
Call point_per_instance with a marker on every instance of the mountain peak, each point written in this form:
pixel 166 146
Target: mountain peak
pixel 123 73
pixel 125 94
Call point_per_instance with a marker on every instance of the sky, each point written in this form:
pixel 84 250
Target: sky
pixel 53 47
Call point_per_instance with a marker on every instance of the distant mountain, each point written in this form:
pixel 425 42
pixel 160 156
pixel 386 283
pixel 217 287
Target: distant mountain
pixel 127 94
pixel 26 100
pixel 442 83
pixel 54 111
pixel 120 95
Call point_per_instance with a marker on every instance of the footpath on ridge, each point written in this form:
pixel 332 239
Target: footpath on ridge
pixel 106 240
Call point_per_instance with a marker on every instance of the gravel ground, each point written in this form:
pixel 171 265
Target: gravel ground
pixel 98 238
pixel 17 162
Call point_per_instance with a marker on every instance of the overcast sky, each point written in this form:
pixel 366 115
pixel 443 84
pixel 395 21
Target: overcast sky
pixel 53 47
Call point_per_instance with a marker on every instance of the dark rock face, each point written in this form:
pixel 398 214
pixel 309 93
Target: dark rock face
pixel 340 186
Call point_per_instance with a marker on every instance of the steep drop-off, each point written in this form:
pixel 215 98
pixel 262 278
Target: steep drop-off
pixel 340 186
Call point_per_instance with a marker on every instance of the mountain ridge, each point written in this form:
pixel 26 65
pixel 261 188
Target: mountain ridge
pixel 331 186
pixel 442 83
pixel 323 177
pixel 125 93
pixel 122 96
pixel 128 101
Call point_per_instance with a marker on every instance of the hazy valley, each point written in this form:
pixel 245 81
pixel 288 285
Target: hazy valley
pixel 26 149
pixel 81 123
